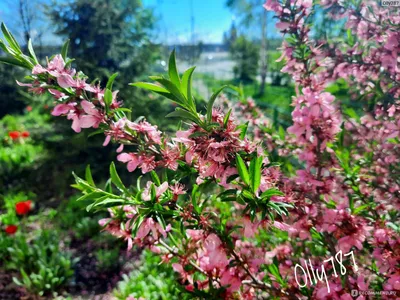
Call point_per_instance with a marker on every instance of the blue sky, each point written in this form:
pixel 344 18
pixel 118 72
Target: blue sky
pixel 211 19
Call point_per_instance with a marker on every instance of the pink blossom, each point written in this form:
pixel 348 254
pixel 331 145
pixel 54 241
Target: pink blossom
pixel 132 159
pixel 149 225
pixel 146 194
pixel 93 116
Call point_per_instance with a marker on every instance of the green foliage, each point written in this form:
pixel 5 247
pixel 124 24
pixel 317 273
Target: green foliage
pixel 107 259
pixel 274 67
pixel 44 268
pixel 251 178
pixel 106 36
pixel 151 280
pixel 245 53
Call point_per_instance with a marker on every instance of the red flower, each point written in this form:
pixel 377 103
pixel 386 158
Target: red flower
pixel 22 208
pixel 14 134
pixel 25 134
pixel 11 229
pixel 29 108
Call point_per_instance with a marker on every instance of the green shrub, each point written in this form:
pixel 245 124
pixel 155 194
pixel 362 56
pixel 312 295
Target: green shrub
pixel 150 281
pixel 44 268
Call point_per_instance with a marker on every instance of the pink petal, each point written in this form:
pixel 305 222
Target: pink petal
pixel 124 157
pixel 61 109
pixel 132 165
pixel 38 69
pixel 87 121
pixel 89 108
pixel 24 84
pixel 65 81
pixel 107 140
pixel 120 148
pixel 76 124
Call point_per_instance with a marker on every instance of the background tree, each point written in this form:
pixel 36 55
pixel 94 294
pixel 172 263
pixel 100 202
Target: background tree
pixel 26 17
pixel 107 36
pixel 230 36
pixel 252 15
pixel 246 54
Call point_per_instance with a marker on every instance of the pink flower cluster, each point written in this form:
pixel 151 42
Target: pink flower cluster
pixel 212 152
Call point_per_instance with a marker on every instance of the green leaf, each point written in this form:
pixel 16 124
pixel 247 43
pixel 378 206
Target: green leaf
pixel 64 50
pixel 242 169
pixel 82 184
pixel 98 131
pixel 91 196
pixel 226 118
pixel 211 102
pixel 155 178
pixel 271 192
pixel 111 81
pixel 108 201
pixel 255 173
pixel 10 39
pixel 243 130
pixel 139 220
pixel 248 194
pixel 108 96
pixel 180 113
pixel 173 71
pixel 116 179
pixel 186 86
pixel 174 90
pixel 228 193
pixel 153 192
pixel 150 86
pixel 88 176
pixel 14 62
pixel 32 52
pixel 360 209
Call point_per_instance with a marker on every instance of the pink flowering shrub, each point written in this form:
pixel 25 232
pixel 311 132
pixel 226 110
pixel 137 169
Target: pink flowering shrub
pixel 235 207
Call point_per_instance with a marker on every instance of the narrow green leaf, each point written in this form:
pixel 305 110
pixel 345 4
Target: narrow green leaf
pixel 194 190
pixel 155 178
pixel 211 102
pixel 14 62
pixel 180 113
pixel 149 86
pixel 116 179
pixel 108 201
pixel 91 196
pixel 32 52
pixel 174 90
pixel 195 205
pixel 228 193
pixel 271 192
pixel 173 71
pixel 10 39
pixel 243 130
pixel 64 50
pixel 136 225
pixel 186 87
pixel 98 131
pixel 242 169
pixel 108 96
pixel 255 173
pixel 360 209
pixel 153 192
pixel 88 176
pixel 111 81
pixel 226 118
